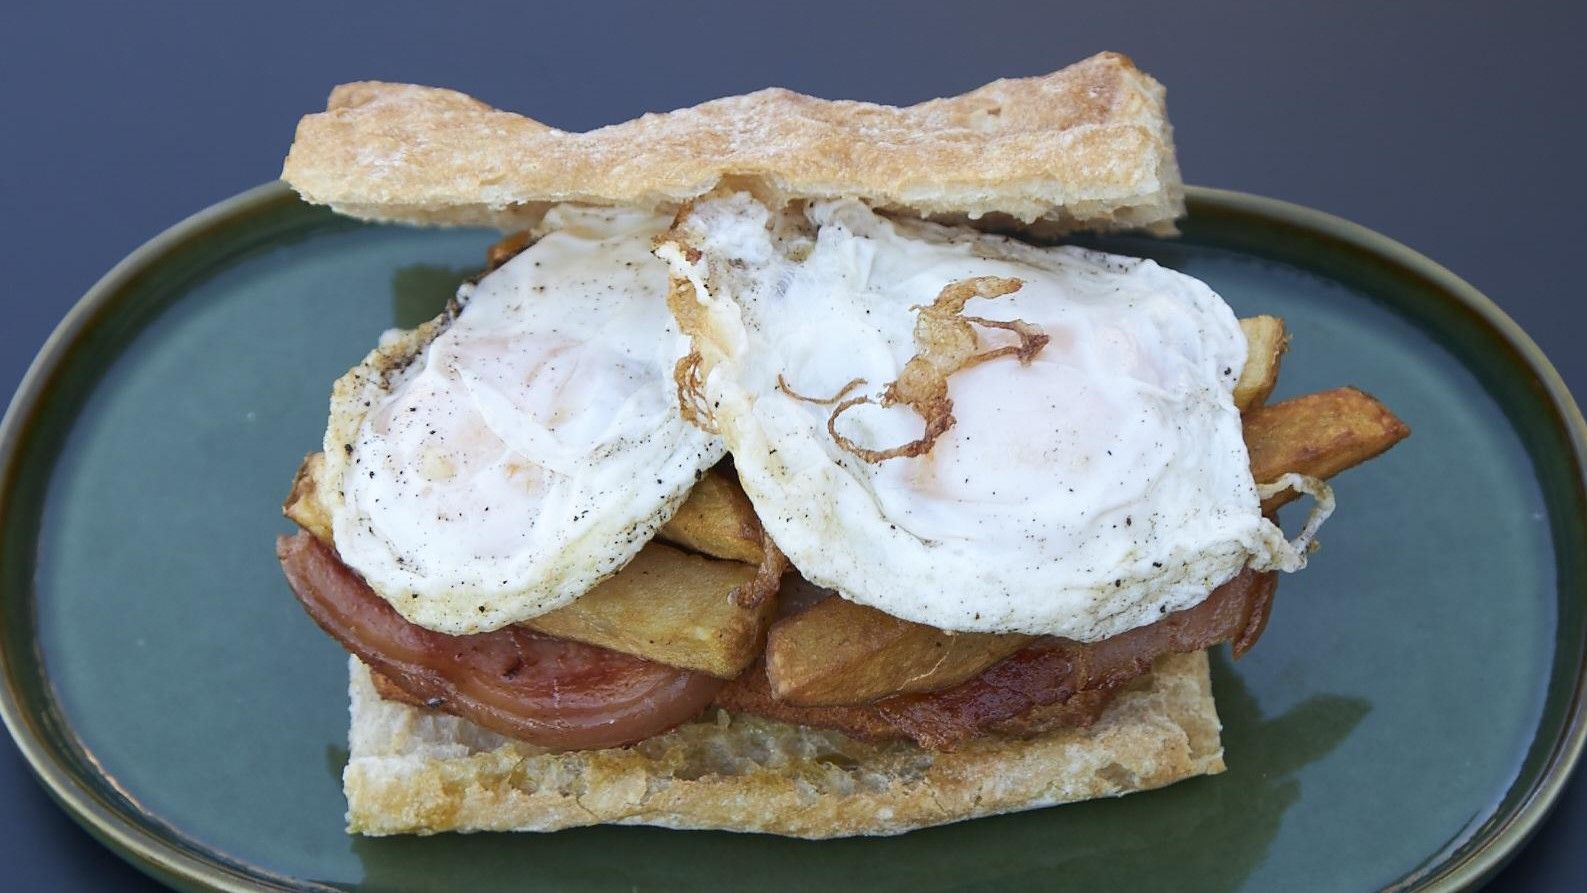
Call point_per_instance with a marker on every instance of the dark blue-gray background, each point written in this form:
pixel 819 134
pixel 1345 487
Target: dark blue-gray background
pixel 1456 128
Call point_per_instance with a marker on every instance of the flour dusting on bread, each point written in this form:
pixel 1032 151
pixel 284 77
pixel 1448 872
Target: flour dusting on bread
pixel 1086 147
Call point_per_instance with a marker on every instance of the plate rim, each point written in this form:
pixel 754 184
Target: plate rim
pixel 156 855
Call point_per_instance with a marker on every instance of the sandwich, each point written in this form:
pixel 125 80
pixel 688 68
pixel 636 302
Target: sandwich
pixel 783 470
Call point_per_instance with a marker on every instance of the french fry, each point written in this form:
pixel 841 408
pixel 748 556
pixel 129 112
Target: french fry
pixel 1265 345
pixel 303 506
pixel 717 520
pixel 1318 434
pixel 669 606
pixel 839 652
pixel 507 248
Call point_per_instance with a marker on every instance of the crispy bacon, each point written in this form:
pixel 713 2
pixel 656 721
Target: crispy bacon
pixel 547 691
pixel 1019 694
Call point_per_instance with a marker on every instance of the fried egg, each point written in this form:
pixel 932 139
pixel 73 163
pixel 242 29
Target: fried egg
pixel 968 431
pixel 495 464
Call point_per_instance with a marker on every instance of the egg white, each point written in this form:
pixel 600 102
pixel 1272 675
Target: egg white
pixel 493 467
pixel 1091 491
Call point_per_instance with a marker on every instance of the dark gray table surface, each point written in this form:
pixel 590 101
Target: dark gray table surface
pixel 1453 127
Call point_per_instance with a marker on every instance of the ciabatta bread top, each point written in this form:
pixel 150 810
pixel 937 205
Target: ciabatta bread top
pixel 1088 147
pixel 417 771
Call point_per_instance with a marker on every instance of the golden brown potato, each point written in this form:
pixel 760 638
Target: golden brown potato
pixel 303 506
pixel 1265 345
pixel 838 652
pixel 669 606
pixel 1318 434
pixel 507 248
pixel 717 520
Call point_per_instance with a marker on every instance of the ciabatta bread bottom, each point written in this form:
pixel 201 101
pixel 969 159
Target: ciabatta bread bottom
pixel 414 771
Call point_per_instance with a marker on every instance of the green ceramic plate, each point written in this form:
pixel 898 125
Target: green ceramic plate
pixel 1408 718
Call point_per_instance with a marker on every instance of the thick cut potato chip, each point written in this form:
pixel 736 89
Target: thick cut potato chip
pixel 1319 435
pixel 717 520
pixel 303 506
pixel 1265 345
pixel 672 607
pixel 838 652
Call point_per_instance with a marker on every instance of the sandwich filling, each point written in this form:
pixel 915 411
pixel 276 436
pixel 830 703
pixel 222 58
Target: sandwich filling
pixel 1010 478
pixel 561 694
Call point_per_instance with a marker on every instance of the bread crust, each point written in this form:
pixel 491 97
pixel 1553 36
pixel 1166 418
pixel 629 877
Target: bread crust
pixel 1088 146
pixel 417 771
